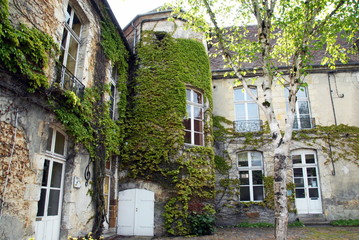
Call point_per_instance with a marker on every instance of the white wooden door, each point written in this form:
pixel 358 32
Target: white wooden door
pixel 306 179
pixel 136 213
pixel 48 217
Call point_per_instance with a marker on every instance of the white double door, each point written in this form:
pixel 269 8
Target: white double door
pixel 306 179
pixel 136 213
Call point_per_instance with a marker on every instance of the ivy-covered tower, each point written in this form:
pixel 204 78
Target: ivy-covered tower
pixel 167 160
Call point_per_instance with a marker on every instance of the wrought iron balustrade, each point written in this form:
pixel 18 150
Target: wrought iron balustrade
pixel 68 81
pixel 247 125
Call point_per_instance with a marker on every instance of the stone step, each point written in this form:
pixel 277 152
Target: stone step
pixel 313 219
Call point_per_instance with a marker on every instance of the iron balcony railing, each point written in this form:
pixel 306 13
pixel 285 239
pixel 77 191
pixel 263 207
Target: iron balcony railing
pixel 248 125
pixel 68 81
pixel 304 123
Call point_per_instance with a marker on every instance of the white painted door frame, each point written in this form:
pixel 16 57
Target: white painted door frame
pixel 307 185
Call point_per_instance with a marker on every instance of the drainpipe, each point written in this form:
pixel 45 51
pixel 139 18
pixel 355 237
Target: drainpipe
pixel 134 37
pixel 331 99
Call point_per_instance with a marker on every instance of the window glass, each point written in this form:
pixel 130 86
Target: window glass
pixel 53 205
pixel 188 95
pixel 299 193
pixel 298 172
pixel 197 97
pixel 41 204
pixel 45 173
pixel 258 194
pixel 242 159
pixel 252 111
pixel 313 193
pixel 309 158
pixel 244 177
pixel 245 196
pixel 56 175
pixel 240 111
pixel 246 111
pixel 49 140
pixel 76 25
pixel 311 172
pixel 59 143
pixel 257 177
pixel 256 158
pixel 296 159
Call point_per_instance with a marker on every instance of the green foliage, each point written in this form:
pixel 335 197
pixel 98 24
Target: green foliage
pixel 221 165
pixel 25 51
pixel 296 224
pixel 154 146
pixel 255 225
pixel 202 224
pixel 345 222
pixel 341 142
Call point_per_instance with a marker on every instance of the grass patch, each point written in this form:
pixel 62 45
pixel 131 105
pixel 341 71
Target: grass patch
pixel 345 222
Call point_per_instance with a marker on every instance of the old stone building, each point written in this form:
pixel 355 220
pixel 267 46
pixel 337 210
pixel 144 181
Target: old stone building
pixel 113 129
pixel 55 70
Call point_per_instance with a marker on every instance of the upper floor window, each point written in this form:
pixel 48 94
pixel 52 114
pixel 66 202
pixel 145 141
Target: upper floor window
pixel 113 91
pixel 303 119
pixel 70 46
pixel 56 142
pixel 250 167
pixel 194 121
pixel 246 111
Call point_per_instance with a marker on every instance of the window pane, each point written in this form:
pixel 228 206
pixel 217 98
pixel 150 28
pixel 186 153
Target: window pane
pixel 257 177
pixel 254 91
pixel 59 144
pixel 188 95
pixel 296 159
pixel 256 159
pixel 299 182
pixel 187 137
pixel 197 112
pixel 303 107
pixel 298 172
pixel 76 25
pixel 258 193
pixel 313 193
pixel 243 177
pixel 299 193
pixel 252 111
pixel 45 173
pixel 309 158
pixel 188 110
pixel 72 55
pixel 240 111
pixel 243 159
pixel 56 175
pixel 305 122
pixel 244 194
pixel 311 172
pixel 302 93
pixel 49 139
pixel 197 97
pixel 187 124
pixel 238 94
pixel 312 182
pixel 68 14
pixel 198 139
pixel 41 203
pixel 197 125
pixel 53 207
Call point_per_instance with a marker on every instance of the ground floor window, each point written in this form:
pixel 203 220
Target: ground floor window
pixel 250 171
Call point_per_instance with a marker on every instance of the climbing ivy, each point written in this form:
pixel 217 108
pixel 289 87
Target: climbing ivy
pixel 25 51
pixel 154 148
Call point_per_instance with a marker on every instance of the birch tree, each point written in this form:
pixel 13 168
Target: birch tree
pixel 289 32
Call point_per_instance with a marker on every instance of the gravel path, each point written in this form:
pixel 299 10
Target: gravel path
pixel 294 233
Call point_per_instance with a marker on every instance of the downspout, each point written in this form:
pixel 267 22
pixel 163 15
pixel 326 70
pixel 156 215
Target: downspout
pixel 331 99
pixel 134 37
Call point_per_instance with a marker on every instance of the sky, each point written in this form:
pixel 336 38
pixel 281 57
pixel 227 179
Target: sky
pixel 126 10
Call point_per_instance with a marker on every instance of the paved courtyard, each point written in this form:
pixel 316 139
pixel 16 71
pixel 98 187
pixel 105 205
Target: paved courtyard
pixel 294 233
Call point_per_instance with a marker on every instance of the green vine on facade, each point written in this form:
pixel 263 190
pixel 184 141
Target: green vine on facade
pixel 25 51
pixel 154 148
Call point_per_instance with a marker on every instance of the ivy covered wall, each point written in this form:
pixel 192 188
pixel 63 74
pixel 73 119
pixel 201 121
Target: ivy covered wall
pixel 154 148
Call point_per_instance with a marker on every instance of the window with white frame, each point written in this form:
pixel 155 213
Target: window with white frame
pixel 303 119
pixel 250 168
pixel 53 175
pixel 194 121
pixel 246 111
pixel 69 56
pixel 113 91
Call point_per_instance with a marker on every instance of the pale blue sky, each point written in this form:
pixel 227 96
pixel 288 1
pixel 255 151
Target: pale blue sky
pixel 126 10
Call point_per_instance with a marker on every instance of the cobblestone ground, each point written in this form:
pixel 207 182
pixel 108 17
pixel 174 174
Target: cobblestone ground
pixel 296 233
